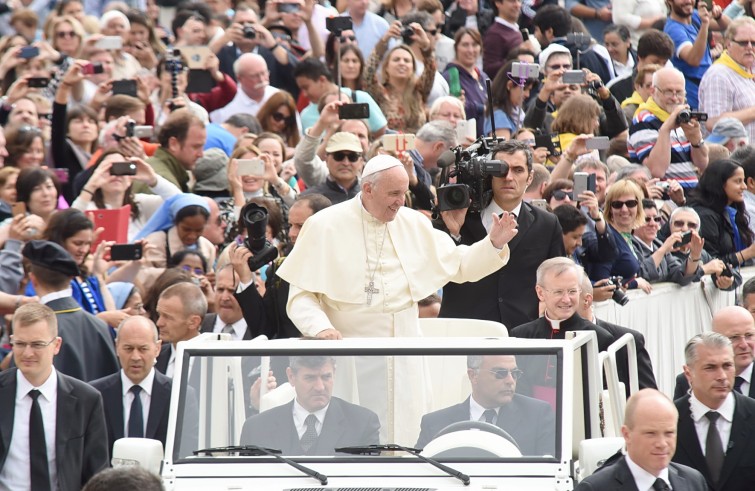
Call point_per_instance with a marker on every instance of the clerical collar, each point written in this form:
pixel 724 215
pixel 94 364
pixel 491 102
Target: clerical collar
pixel 555 324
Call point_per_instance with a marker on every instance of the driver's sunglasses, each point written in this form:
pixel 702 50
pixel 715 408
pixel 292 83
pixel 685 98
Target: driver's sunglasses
pixel 502 373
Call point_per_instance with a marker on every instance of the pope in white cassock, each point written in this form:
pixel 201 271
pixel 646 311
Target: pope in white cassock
pixel 360 267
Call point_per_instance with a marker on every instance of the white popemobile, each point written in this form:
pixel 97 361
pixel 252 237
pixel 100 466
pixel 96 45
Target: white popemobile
pixel 229 431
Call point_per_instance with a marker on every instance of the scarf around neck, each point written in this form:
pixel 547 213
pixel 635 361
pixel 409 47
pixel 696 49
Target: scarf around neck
pixel 729 62
pixel 653 108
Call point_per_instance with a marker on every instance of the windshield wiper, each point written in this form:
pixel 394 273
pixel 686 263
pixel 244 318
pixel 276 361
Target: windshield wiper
pixel 256 450
pixel 377 449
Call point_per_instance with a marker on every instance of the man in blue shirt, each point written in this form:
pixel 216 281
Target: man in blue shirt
pixel 689 30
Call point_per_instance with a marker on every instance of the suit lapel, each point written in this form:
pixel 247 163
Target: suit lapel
pixel 7 409
pixel 741 432
pixel 68 407
pixel 624 476
pixel 208 323
pixel 159 402
pixel 677 480
pixel 752 382
pixel 163 358
pixel 114 407
pixel 332 428
pixel 524 223
pixel 688 442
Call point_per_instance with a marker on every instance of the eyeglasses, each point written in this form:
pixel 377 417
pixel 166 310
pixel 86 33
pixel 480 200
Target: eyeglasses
pixel 617 205
pixel 45 116
pixel 671 93
pixel 530 142
pixel 572 292
pixel 65 34
pixel 565 66
pixel 744 43
pixel 343 39
pixel 281 117
pixel 502 373
pixel 681 223
pixel 747 337
pixel 653 219
pixel 196 271
pixel 561 195
pixel 339 156
pixel 35 345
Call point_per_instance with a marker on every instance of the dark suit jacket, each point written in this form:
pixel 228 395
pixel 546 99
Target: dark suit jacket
pixel 208 324
pixel 111 389
pixel 738 473
pixel 80 438
pixel 645 375
pixel 87 352
pixel 618 477
pixel 529 421
pixel 682 385
pixel 345 424
pixel 508 295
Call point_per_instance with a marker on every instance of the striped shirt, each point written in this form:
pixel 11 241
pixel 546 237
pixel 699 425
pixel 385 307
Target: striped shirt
pixel 642 137
pixel 724 90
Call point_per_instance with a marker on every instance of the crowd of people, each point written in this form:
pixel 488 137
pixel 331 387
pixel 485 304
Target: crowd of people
pixel 141 142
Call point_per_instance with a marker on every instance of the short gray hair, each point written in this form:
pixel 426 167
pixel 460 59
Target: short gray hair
pixel 688 210
pixel 630 169
pixel 557 265
pixel 312 362
pixel 435 131
pixel 592 164
pixel 711 340
pixel 447 99
pixel 192 298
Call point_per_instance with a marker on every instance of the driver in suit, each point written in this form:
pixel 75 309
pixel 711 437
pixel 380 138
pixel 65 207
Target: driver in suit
pixel 494 400
pixel 315 422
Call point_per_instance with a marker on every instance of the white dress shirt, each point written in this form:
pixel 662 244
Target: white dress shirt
pixel 643 479
pixel 300 417
pixel 702 423
pixel 128 398
pixel 493 207
pixel 241 103
pixel 45 299
pixel 16 474
pixel 476 412
pixel 170 369
pixel 239 328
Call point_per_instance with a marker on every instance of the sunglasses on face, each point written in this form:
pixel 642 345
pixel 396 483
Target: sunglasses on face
pixel 281 117
pixel 653 219
pixel 502 373
pixel 339 156
pixel 680 224
pixel 561 195
pixel 65 34
pixel 617 205
pixel 343 39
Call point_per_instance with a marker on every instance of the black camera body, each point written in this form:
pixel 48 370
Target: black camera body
pixel 685 116
pixel 406 35
pixel 618 295
pixel 337 24
pixel 249 31
pixel 473 169
pixel 254 218
pixel 130 126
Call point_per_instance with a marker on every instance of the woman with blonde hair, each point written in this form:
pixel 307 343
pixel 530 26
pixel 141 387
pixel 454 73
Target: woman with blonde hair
pixel 66 35
pixel 400 94
pixel 623 212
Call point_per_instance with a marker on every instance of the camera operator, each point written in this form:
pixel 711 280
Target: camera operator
pixel 266 314
pixel 507 295
pixel 658 139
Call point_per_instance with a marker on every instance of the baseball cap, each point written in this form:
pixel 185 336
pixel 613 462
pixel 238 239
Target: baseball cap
pixel 344 141
pixel 726 129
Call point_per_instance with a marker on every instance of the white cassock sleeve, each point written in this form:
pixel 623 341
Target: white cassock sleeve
pixel 305 311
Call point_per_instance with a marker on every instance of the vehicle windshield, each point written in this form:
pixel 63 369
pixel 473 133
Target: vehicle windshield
pixel 503 402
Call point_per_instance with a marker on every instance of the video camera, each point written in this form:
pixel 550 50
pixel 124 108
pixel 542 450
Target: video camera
pixel 472 167
pixel 254 218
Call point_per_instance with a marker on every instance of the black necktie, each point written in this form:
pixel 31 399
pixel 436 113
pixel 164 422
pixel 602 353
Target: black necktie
pixel 40 473
pixel 738 384
pixel 136 417
pixel 310 434
pixel 660 485
pixel 489 416
pixel 714 451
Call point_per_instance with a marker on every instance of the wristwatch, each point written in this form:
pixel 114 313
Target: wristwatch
pixel 598 219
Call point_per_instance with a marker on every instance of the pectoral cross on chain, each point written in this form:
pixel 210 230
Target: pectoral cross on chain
pixel 370 289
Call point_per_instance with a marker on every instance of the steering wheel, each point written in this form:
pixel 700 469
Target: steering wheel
pixel 477 425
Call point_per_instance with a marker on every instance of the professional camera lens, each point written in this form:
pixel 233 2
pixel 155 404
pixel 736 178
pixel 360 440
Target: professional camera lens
pixel 620 297
pixel 683 117
pixel 457 197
